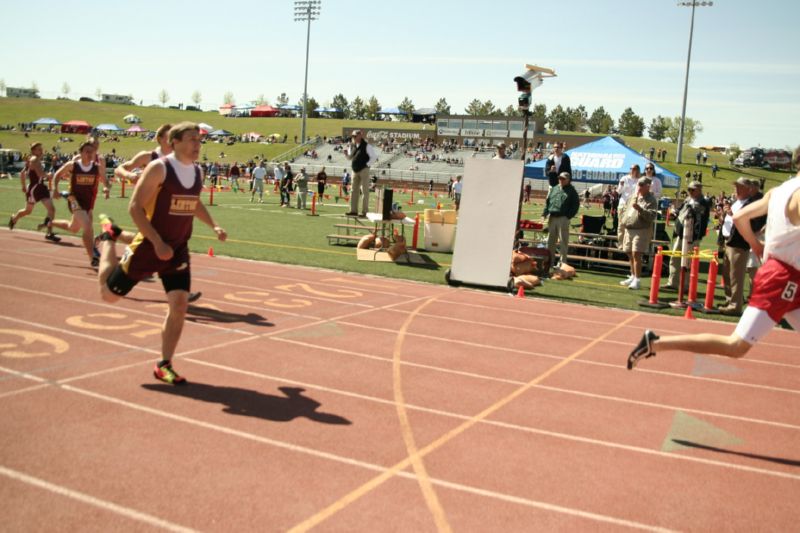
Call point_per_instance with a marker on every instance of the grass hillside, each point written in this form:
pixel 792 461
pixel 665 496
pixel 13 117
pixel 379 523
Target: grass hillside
pixel 16 110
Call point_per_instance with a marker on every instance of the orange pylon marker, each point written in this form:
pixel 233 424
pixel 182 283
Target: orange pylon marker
pixel 210 251
pixel 688 314
pixel 521 292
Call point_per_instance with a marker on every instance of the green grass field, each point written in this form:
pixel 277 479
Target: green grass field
pixel 265 232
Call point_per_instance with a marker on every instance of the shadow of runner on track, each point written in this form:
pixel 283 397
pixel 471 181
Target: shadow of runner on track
pixel 252 403
pixel 778 460
pixel 206 315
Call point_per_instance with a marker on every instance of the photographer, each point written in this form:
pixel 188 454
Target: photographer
pixel 699 207
pixel 362 155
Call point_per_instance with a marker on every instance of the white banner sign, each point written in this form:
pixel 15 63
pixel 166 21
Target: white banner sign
pixel 471 133
pixel 589 159
pixel 497 133
pixel 448 131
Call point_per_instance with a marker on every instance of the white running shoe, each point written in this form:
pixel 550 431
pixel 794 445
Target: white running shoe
pixel 627 281
pixel 635 284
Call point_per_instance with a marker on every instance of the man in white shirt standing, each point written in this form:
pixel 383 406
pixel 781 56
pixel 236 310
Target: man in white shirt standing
pixel 259 174
pixel 362 155
pixel 627 187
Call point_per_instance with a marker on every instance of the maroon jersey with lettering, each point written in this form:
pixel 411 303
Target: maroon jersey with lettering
pixel 172 215
pixel 83 184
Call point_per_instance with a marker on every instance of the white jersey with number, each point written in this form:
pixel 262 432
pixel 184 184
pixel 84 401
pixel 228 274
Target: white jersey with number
pixel 783 237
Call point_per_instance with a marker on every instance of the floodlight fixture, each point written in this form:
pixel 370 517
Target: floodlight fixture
pixel 306 11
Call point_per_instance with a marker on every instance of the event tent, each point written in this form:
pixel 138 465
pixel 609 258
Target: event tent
pixel 135 129
pixel 253 136
pixel 207 127
pixel 391 111
pixel 108 127
pixel 264 111
pixel 605 160
pixel 131 119
pixel 76 126
pixel 220 133
pixel 46 121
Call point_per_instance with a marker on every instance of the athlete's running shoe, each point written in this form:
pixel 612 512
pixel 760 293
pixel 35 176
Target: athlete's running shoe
pixel 11 223
pixel 194 296
pixel 95 262
pixel 163 371
pixel 52 237
pixel 643 350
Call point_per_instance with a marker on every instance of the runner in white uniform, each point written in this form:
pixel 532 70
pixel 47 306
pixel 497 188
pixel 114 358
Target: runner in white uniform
pixel 776 289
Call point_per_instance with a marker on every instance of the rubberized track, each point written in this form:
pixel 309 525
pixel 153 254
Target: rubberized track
pixel 352 403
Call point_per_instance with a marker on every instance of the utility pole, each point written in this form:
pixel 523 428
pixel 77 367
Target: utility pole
pixel 306 11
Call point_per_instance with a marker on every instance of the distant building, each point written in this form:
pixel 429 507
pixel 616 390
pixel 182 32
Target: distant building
pixel 20 92
pixel 116 99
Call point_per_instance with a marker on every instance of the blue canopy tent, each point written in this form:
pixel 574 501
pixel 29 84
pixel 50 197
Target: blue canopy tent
pixel 605 160
pixel 108 127
pixel 220 133
pixel 47 121
pixel 390 111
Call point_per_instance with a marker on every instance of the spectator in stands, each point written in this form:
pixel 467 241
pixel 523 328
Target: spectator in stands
pixel 501 151
pixel 557 163
pixel 561 206
pixel 362 155
pixel 638 217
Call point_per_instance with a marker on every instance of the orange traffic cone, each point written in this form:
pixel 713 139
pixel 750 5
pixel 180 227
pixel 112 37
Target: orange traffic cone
pixel 688 314
pixel 521 292
pixel 210 251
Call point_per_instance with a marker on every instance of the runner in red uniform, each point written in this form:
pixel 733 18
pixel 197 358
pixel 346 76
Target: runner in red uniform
pixel 84 174
pixel 36 191
pixel 776 287
pixel 163 206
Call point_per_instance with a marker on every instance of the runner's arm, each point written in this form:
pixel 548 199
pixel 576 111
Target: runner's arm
pixel 742 221
pixel 126 170
pixel 202 213
pixel 64 172
pixel 144 194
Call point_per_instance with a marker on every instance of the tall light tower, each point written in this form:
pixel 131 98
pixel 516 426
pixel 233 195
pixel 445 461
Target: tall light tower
pixel 693 4
pixel 306 11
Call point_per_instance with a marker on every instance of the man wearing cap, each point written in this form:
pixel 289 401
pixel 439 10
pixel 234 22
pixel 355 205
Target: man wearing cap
pixel 557 163
pixel 501 151
pixel 699 208
pixel 640 213
pixel 362 156
pixel 561 205
pixel 737 250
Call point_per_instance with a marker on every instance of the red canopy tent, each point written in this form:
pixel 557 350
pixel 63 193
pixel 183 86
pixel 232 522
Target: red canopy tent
pixel 264 111
pixel 76 126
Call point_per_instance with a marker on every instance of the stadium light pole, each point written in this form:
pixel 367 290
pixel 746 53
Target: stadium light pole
pixel 693 4
pixel 306 11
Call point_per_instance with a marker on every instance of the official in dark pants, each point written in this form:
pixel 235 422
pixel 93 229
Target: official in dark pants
pixel 737 250
pixel 561 206
pixel 362 156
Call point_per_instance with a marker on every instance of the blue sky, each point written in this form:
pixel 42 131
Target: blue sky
pixel 743 84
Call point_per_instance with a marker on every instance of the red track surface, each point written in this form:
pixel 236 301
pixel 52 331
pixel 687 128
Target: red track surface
pixel 350 403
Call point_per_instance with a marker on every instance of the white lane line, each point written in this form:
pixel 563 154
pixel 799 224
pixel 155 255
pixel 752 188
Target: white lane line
pixel 580 361
pixel 91 500
pixel 362 464
pixel 514 382
pixel 516 427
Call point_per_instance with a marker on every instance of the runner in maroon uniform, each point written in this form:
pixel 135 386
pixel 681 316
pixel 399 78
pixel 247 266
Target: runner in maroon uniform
pixel 36 191
pixel 84 174
pixel 163 206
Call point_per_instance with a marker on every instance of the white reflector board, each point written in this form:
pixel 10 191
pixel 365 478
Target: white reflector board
pixel 487 221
